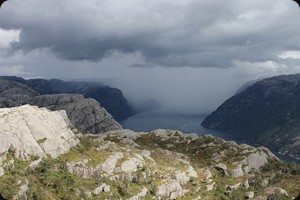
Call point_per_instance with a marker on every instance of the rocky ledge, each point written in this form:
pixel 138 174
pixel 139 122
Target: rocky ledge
pixel 85 114
pixel 122 164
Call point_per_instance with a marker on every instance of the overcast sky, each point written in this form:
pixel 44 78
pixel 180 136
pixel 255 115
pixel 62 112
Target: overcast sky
pixel 188 54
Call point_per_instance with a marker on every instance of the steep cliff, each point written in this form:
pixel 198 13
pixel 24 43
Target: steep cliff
pixel 13 93
pixel 267 112
pixel 111 99
pixel 85 114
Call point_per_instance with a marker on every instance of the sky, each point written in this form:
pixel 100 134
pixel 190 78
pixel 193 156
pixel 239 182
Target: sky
pixel 187 54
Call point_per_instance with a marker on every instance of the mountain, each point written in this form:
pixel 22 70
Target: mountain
pixel 85 114
pixel 46 160
pixel 14 93
pixel 111 99
pixel 268 112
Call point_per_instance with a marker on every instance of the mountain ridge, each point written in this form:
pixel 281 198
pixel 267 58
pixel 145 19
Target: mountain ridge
pixel 267 112
pixel 111 99
pixel 85 114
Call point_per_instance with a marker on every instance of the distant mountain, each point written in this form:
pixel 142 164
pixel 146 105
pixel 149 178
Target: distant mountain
pixel 268 112
pixel 111 99
pixel 86 114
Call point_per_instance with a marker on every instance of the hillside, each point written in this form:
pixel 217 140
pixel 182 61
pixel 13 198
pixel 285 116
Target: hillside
pixel 85 114
pixel 111 99
pixel 268 112
pixel 161 164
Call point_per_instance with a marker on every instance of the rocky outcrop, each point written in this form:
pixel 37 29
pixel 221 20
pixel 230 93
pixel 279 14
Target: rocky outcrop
pixel 169 189
pixel 267 112
pixel 161 164
pixel 28 131
pixel 13 93
pixel 111 99
pixel 85 114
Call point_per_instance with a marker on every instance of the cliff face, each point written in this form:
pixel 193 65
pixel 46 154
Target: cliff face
pixel 85 114
pixel 267 112
pixel 14 93
pixel 111 99
pixel 161 164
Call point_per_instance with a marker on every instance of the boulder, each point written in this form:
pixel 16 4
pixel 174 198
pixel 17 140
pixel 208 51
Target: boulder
pixel 169 189
pixel 31 131
pixel 249 195
pixel 222 168
pixel 256 160
pixel 102 188
pixel 109 165
pixel 206 174
pixel 237 172
pixel 132 165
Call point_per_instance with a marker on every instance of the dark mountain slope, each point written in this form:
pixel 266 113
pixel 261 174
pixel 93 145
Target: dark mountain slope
pixel 267 112
pixel 111 99
pixel 86 114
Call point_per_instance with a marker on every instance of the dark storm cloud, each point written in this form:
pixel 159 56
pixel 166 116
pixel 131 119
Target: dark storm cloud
pixel 194 33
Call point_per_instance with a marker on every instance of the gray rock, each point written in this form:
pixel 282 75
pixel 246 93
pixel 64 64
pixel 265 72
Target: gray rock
pixel 181 177
pixel 273 190
pixel 102 188
pixel 256 160
pixel 233 187
pixel 32 131
pixel 143 193
pixel 237 172
pixel 249 195
pixel 170 189
pixel 132 165
pixel 206 174
pixel 209 187
pixel 109 165
pixel 13 93
pixel 22 193
pixel 1 171
pixel 85 114
pixel 265 183
pixel 246 184
pixel 221 168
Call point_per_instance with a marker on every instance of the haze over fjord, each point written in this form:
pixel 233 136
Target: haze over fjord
pixel 191 55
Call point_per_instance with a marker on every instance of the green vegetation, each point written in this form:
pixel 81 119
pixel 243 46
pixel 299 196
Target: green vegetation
pixel 51 179
pixel 41 141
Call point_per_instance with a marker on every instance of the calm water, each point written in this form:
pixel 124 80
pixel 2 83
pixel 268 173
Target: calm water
pixel 148 121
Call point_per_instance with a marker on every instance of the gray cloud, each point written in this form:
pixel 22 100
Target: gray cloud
pixel 167 33
pixel 190 54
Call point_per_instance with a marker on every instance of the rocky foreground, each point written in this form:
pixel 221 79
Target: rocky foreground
pixel 43 157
